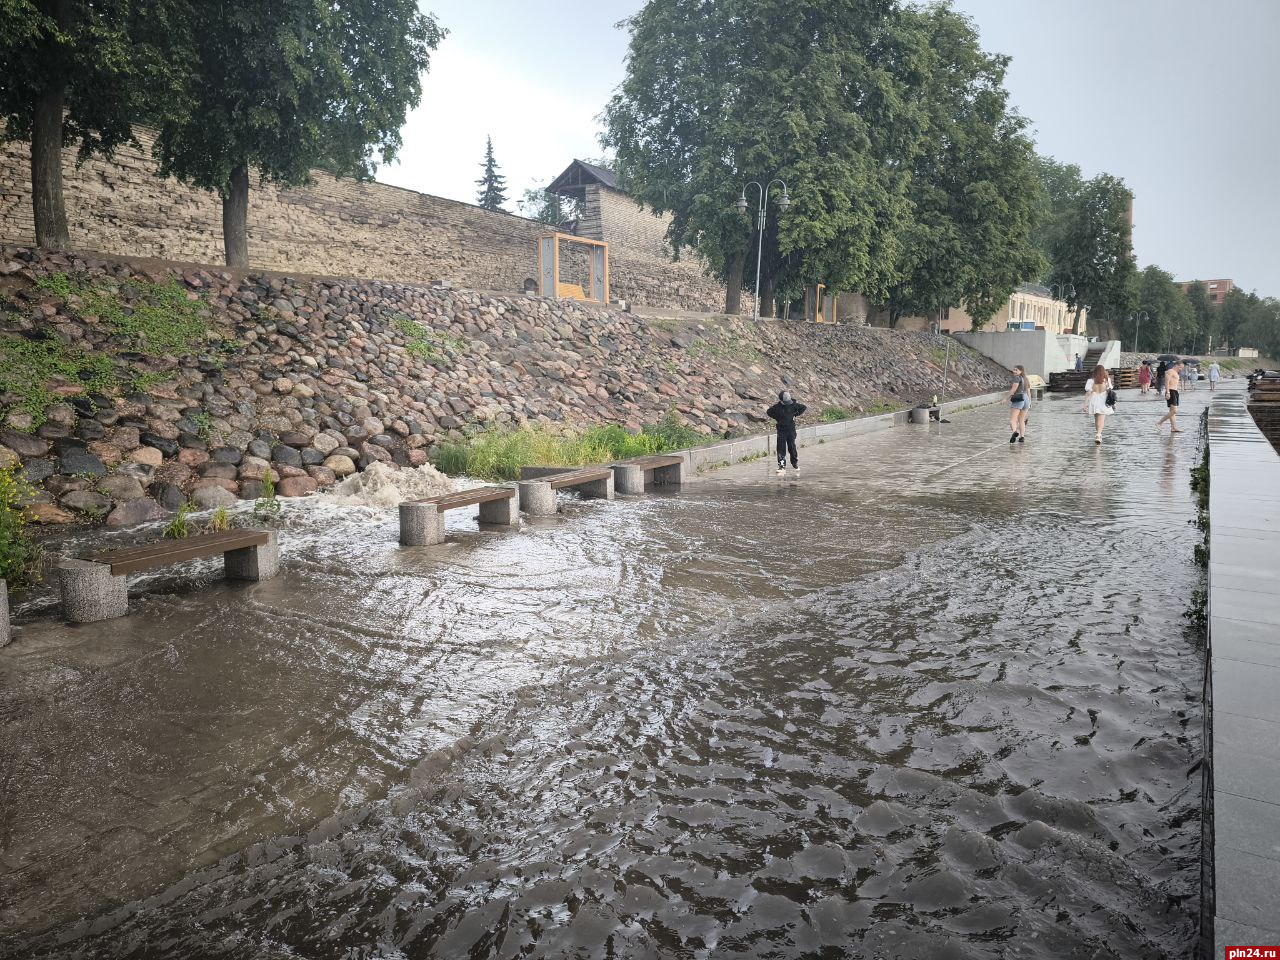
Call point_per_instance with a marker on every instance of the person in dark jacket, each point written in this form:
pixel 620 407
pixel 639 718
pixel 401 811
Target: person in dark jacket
pixel 785 412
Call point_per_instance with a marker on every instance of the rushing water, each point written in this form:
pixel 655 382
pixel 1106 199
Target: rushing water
pixel 935 699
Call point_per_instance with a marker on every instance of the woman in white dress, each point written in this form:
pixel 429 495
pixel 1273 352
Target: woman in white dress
pixel 1095 400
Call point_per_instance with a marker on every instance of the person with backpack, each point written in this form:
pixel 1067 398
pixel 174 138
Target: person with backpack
pixel 1019 405
pixel 785 412
pixel 1099 400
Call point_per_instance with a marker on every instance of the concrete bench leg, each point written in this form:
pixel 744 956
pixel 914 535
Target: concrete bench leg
pixel 537 498
pixel 598 489
pixel 672 476
pixel 253 563
pixel 420 525
pixel 90 593
pixel 6 633
pixel 504 512
pixel 628 478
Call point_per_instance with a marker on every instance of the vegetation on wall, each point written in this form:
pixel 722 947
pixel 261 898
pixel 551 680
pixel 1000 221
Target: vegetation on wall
pixel 19 554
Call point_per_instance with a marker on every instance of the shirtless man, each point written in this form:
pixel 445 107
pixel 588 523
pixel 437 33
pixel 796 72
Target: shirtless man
pixel 1172 382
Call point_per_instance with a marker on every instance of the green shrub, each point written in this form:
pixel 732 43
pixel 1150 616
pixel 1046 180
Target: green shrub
pixel 672 433
pixel 218 521
pixel 28 366
pixel 19 556
pixel 834 414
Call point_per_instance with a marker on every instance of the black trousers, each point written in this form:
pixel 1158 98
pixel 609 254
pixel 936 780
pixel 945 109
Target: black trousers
pixel 787 445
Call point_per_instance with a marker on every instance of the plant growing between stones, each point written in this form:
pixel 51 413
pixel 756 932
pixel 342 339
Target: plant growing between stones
pixel 267 506
pixel 834 414
pixel 428 345
pixel 218 521
pixel 179 528
pixel 19 554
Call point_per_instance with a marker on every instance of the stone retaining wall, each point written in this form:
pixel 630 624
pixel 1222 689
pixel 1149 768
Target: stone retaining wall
pixel 329 376
pixel 332 227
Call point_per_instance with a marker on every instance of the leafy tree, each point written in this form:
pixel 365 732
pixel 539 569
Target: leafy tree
pixel 1234 313
pixel 493 185
pixel 1089 246
pixel 549 208
pixel 719 94
pixel 1169 316
pixel 1202 318
pixel 286 85
pixel 1262 329
pixel 80 71
pixel 974 190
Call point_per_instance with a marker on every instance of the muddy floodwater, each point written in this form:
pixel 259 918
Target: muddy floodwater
pixel 935 698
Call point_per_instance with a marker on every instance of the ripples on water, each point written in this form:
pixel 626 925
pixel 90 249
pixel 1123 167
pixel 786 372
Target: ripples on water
pixel 740 722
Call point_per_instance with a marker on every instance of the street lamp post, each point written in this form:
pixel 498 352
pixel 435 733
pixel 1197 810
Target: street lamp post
pixel 1137 318
pixel 762 204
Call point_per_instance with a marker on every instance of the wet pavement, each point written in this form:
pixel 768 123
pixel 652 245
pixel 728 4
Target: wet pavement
pixel 936 697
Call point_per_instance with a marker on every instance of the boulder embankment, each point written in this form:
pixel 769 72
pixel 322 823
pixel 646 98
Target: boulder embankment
pixel 130 388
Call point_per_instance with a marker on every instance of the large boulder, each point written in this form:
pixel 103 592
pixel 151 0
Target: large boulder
pixel 296 487
pixel 210 497
pixel 148 455
pixel 168 495
pixel 121 487
pixel 76 461
pixel 134 511
pixel 342 466
pixel 87 501
pixel 255 468
pixel 24 444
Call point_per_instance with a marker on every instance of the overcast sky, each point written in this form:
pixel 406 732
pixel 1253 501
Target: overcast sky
pixel 1178 97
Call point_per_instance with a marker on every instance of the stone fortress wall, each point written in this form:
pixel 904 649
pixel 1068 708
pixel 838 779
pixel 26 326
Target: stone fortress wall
pixel 340 228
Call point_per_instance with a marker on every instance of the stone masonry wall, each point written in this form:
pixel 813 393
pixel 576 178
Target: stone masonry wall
pixel 334 227
pixel 323 380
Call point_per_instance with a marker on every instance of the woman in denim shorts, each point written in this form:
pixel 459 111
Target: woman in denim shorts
pixel 1019 405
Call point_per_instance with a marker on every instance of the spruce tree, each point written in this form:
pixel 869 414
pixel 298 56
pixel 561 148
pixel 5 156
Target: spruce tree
pixel 493 185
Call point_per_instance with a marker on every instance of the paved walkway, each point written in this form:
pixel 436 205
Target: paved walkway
pixel 1244 630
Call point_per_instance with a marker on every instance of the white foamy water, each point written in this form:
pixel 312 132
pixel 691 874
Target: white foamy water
pixel 385 486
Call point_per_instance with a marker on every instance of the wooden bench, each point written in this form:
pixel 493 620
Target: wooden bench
pixel 629 476
pixel 538 486
pixel 97 588
pixel 421 523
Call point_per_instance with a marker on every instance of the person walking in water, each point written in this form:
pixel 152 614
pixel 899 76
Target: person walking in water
pixel 1161 369
pixel 1019 405
pixel 1172 383
pixel 1096 393
pixel 785 412
pixel 1215 374
pixel 1144 378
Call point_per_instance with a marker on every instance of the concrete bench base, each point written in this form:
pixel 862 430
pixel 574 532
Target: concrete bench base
pixel 91 593
pixel 537 498
pixel 629 478
pixel 421 525
pixel 6 632
pixel 504 512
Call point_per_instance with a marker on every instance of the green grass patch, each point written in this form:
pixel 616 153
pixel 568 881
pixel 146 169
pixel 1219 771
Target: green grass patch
pixel 498 455
pixel 424 343
pixel 834 414
pixel 154 320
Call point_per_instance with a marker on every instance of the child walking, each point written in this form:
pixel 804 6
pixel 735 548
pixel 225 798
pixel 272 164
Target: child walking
pixel 785 412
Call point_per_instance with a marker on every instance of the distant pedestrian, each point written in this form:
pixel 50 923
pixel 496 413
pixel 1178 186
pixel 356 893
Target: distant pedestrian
pixel 1096 394
pixel 1079 363
pixel 1019 405
pixel 785 412
pixel 1215 374
pixel 1172 384
pixel 1144 378
pixel 1190 374
pixel 1160 372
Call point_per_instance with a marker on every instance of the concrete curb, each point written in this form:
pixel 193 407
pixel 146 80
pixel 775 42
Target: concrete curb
pixel 761 445
pixel 1240 861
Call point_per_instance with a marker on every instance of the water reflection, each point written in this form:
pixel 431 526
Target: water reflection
pixel 929 700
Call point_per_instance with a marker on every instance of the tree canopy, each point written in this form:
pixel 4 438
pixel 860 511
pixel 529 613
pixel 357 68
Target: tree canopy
pixel 81 72
pixel 281 86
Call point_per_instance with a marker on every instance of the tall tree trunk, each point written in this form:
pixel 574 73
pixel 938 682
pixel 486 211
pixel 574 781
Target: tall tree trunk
pixel 235 218
pixel 47 203
pixel 1075 324
pixel 766 295
pixel 733 283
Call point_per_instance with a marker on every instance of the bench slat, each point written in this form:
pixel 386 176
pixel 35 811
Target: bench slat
pixel 573 478
pixel 467 498
pixel 132 559
pixel 652 461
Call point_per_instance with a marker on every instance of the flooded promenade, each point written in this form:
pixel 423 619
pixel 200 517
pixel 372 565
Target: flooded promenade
pixel 935 698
